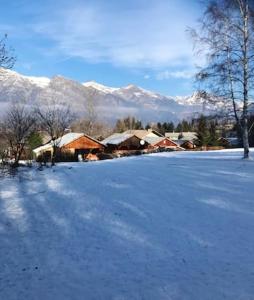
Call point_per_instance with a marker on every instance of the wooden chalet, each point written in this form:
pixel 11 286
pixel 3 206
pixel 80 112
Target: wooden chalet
pixel 124 142
pixel 185 140
pixel 229 142
pixel 162 143
pixel 135 140
pixel 76 146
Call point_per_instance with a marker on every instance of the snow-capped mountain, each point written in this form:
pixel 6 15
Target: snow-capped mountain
pixel 100 87
pixel 109 103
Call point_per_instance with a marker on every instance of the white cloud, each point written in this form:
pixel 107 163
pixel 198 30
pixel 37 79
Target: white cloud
pixel 184 74
pixel 148 36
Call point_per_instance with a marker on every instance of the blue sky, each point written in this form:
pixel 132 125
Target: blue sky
pixel 112 42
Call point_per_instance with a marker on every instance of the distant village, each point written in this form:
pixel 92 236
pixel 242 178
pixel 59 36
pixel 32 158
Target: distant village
pixel 81 147
pixel 76 146
pixel 54 141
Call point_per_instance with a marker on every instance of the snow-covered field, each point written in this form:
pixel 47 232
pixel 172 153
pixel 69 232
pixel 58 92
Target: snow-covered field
pixel 163 226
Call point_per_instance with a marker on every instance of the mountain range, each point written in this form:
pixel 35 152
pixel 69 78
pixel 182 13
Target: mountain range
pixel 108 103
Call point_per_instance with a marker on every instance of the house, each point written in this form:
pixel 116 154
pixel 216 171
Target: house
pixel 185 140
pixel 133 140
pixel 76 146
pixel 124 142
pixel 229 142
pixel 162 143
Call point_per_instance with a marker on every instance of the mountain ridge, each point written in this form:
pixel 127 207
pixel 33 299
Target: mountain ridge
pixel 110 103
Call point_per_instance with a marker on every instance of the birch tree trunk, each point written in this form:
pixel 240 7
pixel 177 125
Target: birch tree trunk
pixel 245 134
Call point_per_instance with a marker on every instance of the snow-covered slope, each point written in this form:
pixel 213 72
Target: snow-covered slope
pixel 209 105
pixel 99 87
pixel 110 103
pixel 9 75
pixel 164 226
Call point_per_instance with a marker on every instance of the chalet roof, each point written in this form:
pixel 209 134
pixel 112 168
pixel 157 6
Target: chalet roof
pixel 231 140
pixel 63 141
pixel 182 141
pixel 117 138
pixel 153 140
pixel 186 136
pixel 155 132
pixel 141 133
pixel 45 147
pixel 67 139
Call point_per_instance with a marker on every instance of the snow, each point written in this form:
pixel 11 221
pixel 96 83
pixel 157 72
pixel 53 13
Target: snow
pixel 68 138
pixel 175 225
pixel 45 147
pixel 39 81
pixel 117 138
pixel 153 139
pixel 60 142
pixel 100 87
pixel 137 91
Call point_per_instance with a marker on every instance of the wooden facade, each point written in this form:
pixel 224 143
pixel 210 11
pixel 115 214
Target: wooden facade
pixel 166 143
pixel 83 143
pixel 72 146
pixel 132 143
pixel 188 145
pixel 82 148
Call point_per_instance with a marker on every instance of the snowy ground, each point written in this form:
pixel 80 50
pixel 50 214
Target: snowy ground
pixel 163 226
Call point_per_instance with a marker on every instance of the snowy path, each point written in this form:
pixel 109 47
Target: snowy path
pixel 164 226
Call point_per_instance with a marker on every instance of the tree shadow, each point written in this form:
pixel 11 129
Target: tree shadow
pixel 68 235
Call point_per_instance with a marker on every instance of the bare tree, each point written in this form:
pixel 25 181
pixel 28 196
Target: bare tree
pixel 7 58
pixel 54 120
pixel 4 147
pixel 18 124
pixel 99 130
pixel 226 37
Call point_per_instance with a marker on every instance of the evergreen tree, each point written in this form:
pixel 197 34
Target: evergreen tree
pixel 203 135
pixel 185 126
pixel 34 140
pixel 147 126
pixel 213 136
pixel 171 127
pixel 179 127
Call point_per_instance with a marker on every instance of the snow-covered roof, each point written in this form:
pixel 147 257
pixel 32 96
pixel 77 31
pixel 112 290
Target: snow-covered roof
pixel 153 140
pixel 43 148
pixel 188 135
pixel 68 138
pixel 117 138
pixel 231 140
pixel 141 133
pixel 60 142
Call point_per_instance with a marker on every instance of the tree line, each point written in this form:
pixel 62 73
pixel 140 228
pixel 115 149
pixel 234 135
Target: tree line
pixel 132 123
